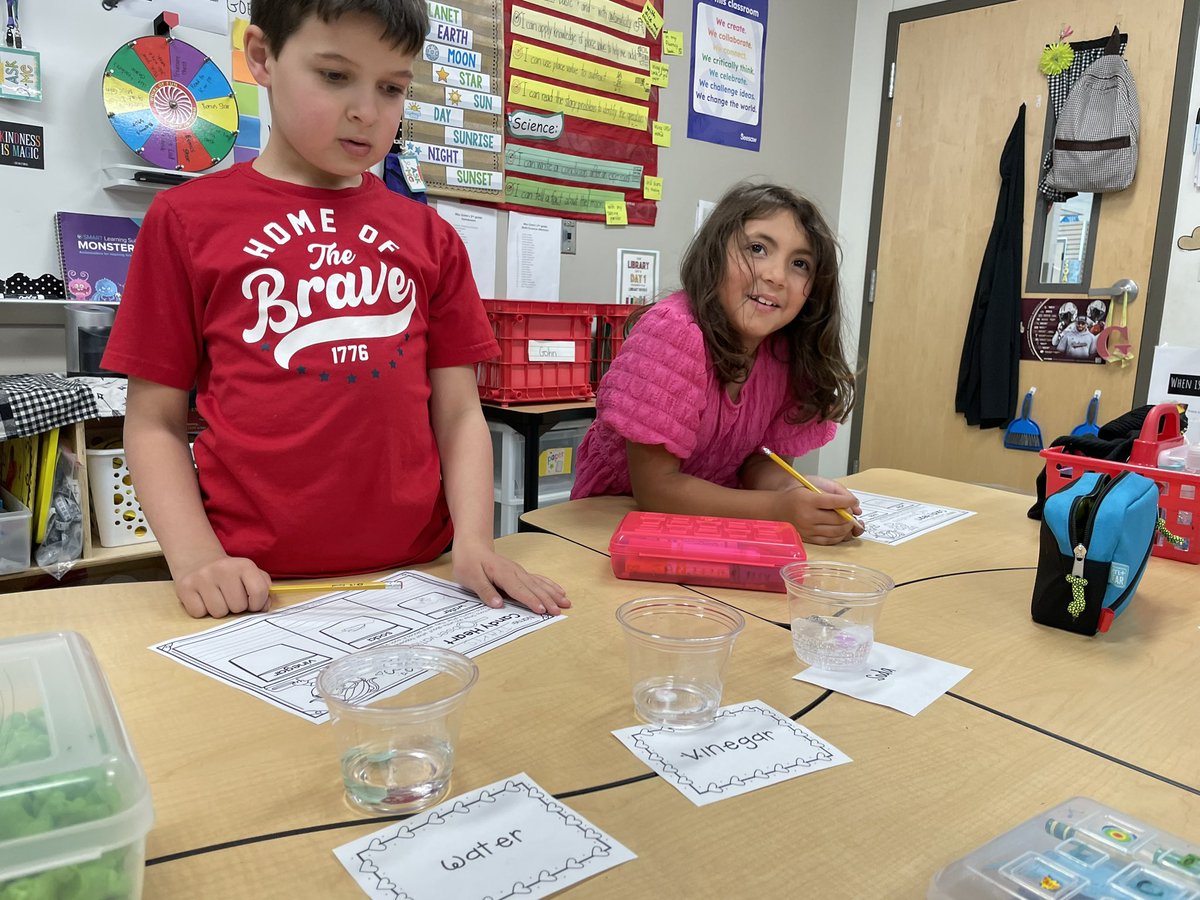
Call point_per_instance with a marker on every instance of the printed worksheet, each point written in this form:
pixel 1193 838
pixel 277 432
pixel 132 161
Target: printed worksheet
pixel 277 656
pixel 892 520
pixel 509 839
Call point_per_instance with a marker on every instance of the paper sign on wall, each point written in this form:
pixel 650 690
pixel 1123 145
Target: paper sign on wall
pixel 1175 376
pixel 637 276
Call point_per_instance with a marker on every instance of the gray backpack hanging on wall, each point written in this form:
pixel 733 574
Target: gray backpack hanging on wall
pixel 1096 137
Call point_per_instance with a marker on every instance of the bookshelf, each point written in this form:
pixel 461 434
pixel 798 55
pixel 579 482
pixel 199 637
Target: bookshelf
pixel 93 554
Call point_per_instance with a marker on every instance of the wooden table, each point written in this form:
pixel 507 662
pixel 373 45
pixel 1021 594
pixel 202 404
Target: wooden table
pixel 531 421
pixel 963 595
pixel 248 801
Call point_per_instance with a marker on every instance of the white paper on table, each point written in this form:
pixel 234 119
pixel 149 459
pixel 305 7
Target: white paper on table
pixel 508 839
pixel 897 678
pixel 893 520
pixel 476 226
pixel 1175 375
pixel 277 656
pixel 534 248
pixel 747 747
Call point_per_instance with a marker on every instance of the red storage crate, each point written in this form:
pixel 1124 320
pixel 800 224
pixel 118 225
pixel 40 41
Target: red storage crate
pixel 1178 503
pixel 611 319
pixel 519 376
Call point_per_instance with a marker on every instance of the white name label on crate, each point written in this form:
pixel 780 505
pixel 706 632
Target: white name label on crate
pixel 551 351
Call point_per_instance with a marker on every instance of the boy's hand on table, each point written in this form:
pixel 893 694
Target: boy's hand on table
pixel 489 574
pixel 815 515
pixel 222 586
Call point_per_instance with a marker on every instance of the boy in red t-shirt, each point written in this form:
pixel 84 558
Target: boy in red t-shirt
pixel 330 329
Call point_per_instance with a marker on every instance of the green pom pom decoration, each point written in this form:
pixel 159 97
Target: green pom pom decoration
pixel 1057 57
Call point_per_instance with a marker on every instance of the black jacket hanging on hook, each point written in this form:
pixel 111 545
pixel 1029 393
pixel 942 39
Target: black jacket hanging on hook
pixel 991 354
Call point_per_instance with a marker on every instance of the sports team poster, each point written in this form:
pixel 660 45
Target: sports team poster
pixel 1057 330
pixel 729 41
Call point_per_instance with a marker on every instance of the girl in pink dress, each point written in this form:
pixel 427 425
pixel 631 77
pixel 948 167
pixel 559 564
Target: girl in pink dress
pixel 748 354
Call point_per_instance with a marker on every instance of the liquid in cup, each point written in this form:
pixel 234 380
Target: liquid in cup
pixel 678 647
pixel 397 748
pixel 834 607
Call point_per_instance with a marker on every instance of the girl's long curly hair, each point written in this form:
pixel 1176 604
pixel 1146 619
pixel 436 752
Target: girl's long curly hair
pixel 821 382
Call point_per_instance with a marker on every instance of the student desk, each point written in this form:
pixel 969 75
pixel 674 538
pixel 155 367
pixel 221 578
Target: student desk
pixel 963 595
pixel 531 421
pixel 248 804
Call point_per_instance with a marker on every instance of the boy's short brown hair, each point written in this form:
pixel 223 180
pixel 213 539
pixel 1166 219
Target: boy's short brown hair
pixel 404 22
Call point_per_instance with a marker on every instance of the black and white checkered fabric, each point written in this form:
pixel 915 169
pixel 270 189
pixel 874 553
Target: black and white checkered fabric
pixel 31 404
pixel 1059 87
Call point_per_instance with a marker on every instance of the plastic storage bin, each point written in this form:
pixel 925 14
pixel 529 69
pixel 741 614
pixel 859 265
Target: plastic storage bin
pixel 544 352
pixel 1179 492
pixel 735 553
pixel 74 803
pixel 1078 849
pixel 16 534
pixel 557 451
pixel 608 336
pixel 507 515
pixel 115 508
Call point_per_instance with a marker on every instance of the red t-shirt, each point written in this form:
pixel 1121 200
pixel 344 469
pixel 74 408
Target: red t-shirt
pixel 307 320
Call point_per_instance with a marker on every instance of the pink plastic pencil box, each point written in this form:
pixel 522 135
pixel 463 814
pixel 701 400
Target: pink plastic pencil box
pixel 736 553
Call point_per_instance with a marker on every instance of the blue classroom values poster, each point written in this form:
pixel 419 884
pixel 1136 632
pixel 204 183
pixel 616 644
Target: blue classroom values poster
pixel 728 53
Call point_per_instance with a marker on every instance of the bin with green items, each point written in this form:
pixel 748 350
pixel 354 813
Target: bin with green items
pixel 74 803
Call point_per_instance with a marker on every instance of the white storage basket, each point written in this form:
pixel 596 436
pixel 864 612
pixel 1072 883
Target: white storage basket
pixel 115 507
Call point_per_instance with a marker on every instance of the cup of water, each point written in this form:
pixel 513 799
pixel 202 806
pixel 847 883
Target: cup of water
pixel 396 713
pixel 678 647
pixel 833 608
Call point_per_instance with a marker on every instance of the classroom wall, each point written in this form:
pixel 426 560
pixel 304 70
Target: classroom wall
pixel 804 121
pixel 75 39
pixel 1181 314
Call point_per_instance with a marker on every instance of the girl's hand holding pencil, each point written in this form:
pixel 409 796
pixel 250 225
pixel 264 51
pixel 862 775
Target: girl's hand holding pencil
pixel 809 503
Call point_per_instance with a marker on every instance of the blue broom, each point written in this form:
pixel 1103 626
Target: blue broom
pixel 1089 427
pixel 1023 433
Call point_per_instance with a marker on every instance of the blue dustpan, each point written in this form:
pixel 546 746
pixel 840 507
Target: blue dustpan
pixel 1089 427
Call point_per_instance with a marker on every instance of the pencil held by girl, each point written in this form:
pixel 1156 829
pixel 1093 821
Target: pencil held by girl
pixel 749 354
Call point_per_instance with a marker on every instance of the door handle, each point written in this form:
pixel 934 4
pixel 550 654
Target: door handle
pixel 1125 286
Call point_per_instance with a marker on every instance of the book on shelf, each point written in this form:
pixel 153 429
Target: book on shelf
pixel 18 467
pixel 94 252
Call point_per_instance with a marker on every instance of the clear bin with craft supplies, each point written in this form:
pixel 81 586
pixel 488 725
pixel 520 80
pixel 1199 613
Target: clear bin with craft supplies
pixel 557 452
pixel 545 350
pixel 75 805
pixel 735 553
pixel 115 509
pixel 1080 848
pixel 16 533
pixel 1179 491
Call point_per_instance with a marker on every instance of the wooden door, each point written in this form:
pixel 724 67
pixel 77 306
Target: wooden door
pixel 960 80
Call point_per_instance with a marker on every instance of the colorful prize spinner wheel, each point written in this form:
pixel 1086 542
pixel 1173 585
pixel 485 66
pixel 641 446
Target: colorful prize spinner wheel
pixel 170 104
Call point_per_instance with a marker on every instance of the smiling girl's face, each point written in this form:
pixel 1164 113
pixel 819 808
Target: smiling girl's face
pixel 768 277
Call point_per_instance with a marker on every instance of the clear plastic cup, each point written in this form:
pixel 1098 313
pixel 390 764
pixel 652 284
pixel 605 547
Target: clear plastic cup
pixel 834 607
pixel 678 647
pixel 397 748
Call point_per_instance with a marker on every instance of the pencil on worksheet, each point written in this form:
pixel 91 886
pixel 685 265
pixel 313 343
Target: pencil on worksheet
pixel 774 457
pixel 334 586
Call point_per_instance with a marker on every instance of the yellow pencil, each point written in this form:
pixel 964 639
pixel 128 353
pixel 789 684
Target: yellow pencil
pixel 804 481
pixel 333 586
